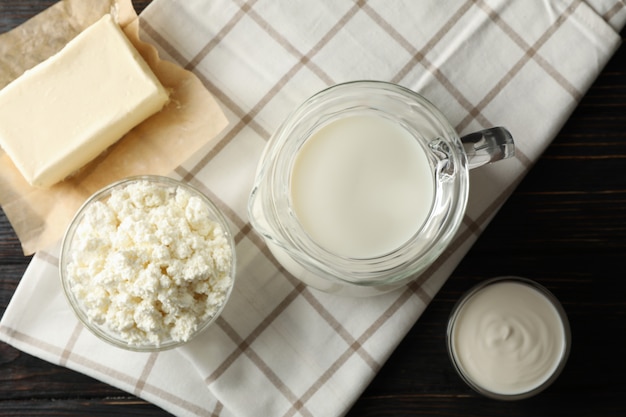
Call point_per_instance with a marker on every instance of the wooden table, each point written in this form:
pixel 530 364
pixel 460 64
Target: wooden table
pixel 565 226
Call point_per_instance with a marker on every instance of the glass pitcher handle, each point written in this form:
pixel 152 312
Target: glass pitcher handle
pixel 486 146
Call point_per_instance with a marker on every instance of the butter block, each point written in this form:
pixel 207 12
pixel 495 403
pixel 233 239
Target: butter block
pixel 64 112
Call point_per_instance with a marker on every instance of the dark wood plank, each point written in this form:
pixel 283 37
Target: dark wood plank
pixel 68 407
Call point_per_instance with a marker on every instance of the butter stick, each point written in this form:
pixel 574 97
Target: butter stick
pixel 64 112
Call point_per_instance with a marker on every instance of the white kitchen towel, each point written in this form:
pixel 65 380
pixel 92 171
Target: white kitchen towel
pixel 281 348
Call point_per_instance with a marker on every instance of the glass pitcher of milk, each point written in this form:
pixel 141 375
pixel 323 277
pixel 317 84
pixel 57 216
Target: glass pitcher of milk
pixel 364 185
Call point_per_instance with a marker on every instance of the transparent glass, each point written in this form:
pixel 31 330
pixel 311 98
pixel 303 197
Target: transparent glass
pixel 101 330
pixel 270 205
pixel 467 377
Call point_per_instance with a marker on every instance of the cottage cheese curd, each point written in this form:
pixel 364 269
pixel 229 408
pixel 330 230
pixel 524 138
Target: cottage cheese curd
pixel 149 264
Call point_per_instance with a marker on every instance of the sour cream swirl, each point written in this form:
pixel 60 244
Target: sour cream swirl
pixel 508 338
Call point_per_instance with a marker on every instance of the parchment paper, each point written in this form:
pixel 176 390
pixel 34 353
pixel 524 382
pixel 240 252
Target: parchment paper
pixel 156 146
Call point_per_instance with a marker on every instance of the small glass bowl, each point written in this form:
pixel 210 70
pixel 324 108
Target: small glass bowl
pixel 101 330
pixel 464 371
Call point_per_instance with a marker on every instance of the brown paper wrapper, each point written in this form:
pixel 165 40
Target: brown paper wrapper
pixel 157 146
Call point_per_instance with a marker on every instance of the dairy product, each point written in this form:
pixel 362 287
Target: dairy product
pixel 508 338
pixel 361 186
pixel 149 264
pixel 64 112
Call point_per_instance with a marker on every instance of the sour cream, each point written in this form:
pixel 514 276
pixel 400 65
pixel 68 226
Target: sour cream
pixel 508 338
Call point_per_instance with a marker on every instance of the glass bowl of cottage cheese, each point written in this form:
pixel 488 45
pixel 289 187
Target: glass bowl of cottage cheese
pixel 148 263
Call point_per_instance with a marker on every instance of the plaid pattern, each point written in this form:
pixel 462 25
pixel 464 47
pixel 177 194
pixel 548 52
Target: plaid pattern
pixel 280 348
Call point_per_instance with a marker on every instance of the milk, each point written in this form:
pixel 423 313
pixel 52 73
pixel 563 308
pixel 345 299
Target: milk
pixel 361 186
